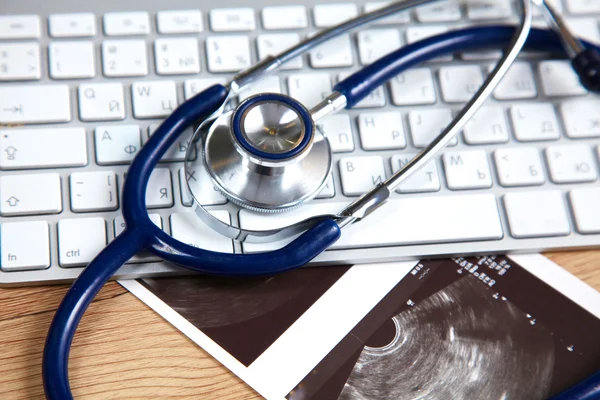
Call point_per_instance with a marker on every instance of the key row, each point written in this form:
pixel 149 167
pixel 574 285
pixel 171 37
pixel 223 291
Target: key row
pixel 179 56
pixel 80 239
pixel 450 218
pixel 28 148
pixel 158 98
pixel 530 214
pixel 225 19
pixel 98 191
pixel 89 192
pixel 470 169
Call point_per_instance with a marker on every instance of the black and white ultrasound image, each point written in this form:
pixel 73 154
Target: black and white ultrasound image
pixel 481 328
pixel 462 329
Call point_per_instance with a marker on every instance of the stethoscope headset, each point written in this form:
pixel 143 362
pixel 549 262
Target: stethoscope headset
pixel 268 155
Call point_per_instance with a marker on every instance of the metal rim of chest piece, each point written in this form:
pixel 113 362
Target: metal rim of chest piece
pixel 265 156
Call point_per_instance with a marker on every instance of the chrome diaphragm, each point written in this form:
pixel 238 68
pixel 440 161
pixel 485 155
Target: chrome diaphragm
pixel 266 155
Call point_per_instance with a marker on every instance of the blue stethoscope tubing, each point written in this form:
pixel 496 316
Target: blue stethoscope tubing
pixel 141 233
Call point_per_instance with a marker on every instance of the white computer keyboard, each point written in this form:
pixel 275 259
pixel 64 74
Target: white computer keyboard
pixel 82 86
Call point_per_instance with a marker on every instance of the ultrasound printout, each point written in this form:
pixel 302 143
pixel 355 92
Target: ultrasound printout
pixel 465 328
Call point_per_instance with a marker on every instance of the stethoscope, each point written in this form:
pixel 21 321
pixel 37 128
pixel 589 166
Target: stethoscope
pixel 268 155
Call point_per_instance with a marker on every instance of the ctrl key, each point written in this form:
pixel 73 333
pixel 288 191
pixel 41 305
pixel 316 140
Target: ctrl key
pixel 24 246
pixel 79 240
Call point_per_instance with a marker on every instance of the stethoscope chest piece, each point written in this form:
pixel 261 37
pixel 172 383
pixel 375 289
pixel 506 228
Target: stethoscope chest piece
pixel 266 155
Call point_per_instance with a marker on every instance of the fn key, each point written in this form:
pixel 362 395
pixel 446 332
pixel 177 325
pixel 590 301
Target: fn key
pixel 25 245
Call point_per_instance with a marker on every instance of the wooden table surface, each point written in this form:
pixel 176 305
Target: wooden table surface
pixel 123 349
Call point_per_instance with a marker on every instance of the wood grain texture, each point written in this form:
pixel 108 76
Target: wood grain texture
pixel 123 350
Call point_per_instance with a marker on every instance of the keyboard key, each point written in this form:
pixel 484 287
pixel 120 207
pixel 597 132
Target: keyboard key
pixel 121 58
pixel 375 99
pixel 34 104
pixel 536 214
pixel 537 13
pixel 117 144
pixel 268 84
pixel 126 23
pixel 519 166
pixel 177 56
pixel 160 189
pixel 202 185
pixel 30 194
pixel 559 79
pixel 381 131
pixel 101 102
pixel 413 87
pixel 534 122
pixel 432 219
pixel 376 43
pixel 179 21
pixel 178 151
pixel 22 255
pixel 328 190
pixel 460 83
pixel 448 12
pixel 153 99
pixel 360 174
pixel 327 15
pixel 310 88
pixel 228 53
pixel 273 44
pixel 518 83
pixel 284 17
pixel 425 179
pixel 583 7
pixel 417 33
pixel 71 60
pixel 19 61
pixel 338 130
pixel 581 118
pixel 571 163
pixel 232 19
pixel 489 10
pixel 336 52
pixel 143 256
pixel 493 55
pixel 426 125
pixel 94 191
pixel 42 148
pixel 192 87
pixel 487 126
pixel 188 228
pixel 20 27
pixel 585 28
pixel 467 170
pixel 72 25
pixel 584 202
pixel 402 17
pixel 80 240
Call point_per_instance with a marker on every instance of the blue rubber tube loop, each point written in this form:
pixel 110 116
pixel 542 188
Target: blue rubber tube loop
pixel 360 84
pixel 142 233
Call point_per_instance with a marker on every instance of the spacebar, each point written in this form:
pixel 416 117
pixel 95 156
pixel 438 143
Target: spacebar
pixel 402 221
